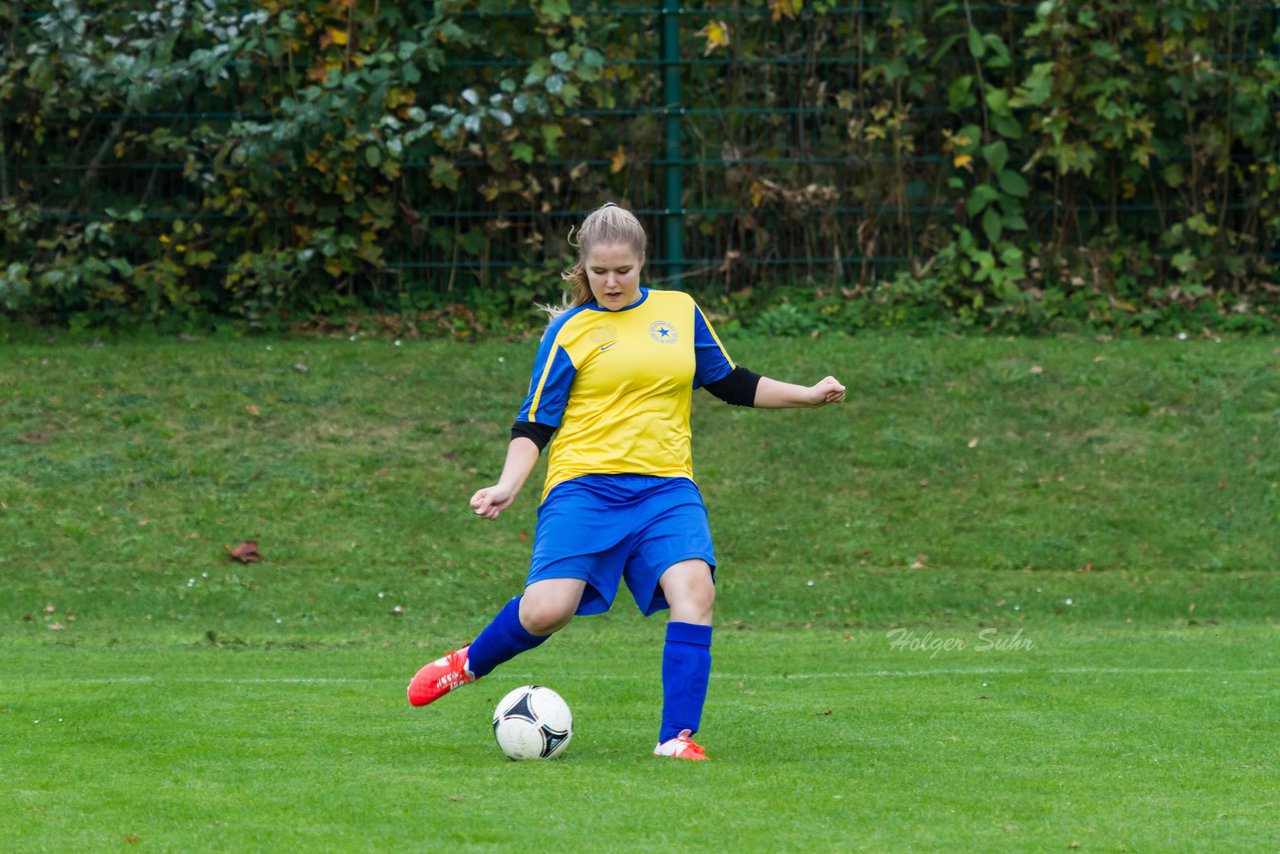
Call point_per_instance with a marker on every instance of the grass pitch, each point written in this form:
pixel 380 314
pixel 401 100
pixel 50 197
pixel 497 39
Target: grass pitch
pixel 1016 595
pixel 822 740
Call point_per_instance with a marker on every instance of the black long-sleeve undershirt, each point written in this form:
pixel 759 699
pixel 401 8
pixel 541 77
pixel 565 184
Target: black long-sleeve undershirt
pixel 736 389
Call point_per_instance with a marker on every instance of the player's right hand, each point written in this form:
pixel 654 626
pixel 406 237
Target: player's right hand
pixel 490 501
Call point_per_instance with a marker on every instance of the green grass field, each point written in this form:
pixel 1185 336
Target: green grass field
pixel 1016 595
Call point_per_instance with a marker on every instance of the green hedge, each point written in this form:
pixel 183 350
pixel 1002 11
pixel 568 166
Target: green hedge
pixel 1097 162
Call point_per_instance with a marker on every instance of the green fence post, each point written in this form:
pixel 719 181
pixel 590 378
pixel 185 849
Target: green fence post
pixel 674 212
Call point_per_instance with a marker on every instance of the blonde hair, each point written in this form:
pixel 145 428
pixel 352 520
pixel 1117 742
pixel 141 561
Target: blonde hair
pixel 607 225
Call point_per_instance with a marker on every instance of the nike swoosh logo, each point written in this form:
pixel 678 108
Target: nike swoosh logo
pixel 604 347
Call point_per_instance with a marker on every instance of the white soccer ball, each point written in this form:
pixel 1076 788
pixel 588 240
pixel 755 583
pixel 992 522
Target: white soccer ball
pixel 532 722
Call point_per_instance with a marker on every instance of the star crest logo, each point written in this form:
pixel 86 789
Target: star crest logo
pixel 662 332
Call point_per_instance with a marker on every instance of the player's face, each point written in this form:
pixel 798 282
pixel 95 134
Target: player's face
pixel 613 271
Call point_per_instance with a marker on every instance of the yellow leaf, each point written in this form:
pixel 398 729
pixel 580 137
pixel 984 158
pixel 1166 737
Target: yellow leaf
pixel 717 35
pixel 336 36
pixel 1154 51
pixel 785 9
pixel 321 72
pixel 962 160
pixel 617 160
pixel 398 97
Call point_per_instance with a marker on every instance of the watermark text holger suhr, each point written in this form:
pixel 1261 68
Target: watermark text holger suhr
pixel 988 640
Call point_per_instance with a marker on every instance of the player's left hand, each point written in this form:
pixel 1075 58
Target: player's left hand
pixel 828 390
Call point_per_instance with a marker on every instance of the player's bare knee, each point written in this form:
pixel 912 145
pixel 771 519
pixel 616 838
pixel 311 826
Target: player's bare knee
pixel 702 595
pixel 692 602
pixel 544 616
pixel 705 603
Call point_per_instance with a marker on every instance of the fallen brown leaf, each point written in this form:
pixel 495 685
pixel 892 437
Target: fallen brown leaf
pixel 246 552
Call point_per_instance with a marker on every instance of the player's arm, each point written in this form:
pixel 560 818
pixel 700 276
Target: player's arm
pixel 527 441
pixel 772 394
pixel 742 387
pixel 737 386
pixel 539 417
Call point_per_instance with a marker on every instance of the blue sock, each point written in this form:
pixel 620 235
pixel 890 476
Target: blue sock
pixel 686 670
pixel 502 640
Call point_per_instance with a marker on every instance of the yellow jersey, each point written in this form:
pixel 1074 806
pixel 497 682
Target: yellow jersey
pixel 618 386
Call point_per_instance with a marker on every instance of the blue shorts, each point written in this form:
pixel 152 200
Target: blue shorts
pixel 602 528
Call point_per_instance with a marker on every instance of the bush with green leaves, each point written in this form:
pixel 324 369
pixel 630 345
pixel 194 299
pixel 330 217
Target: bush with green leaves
pixel 1096 162
pixel 291 129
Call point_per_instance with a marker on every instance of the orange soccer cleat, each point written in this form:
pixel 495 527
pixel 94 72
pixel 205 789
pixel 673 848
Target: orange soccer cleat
pixel 440 677
pixel 681 747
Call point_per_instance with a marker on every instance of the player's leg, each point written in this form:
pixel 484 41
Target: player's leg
pixel 546 607
pixel 562 580
pixel 525 622
pixel 670 566
pixel 690 592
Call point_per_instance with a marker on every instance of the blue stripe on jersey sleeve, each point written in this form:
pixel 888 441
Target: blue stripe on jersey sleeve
pixel 713 363
pixel 553 373
pixel 549 390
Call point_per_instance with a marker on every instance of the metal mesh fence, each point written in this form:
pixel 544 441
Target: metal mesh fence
pixel 812 162
pixel 755 170
pixel 741 166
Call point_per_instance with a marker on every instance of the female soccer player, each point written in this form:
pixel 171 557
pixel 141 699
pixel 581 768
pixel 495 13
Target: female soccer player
pixel 612 381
